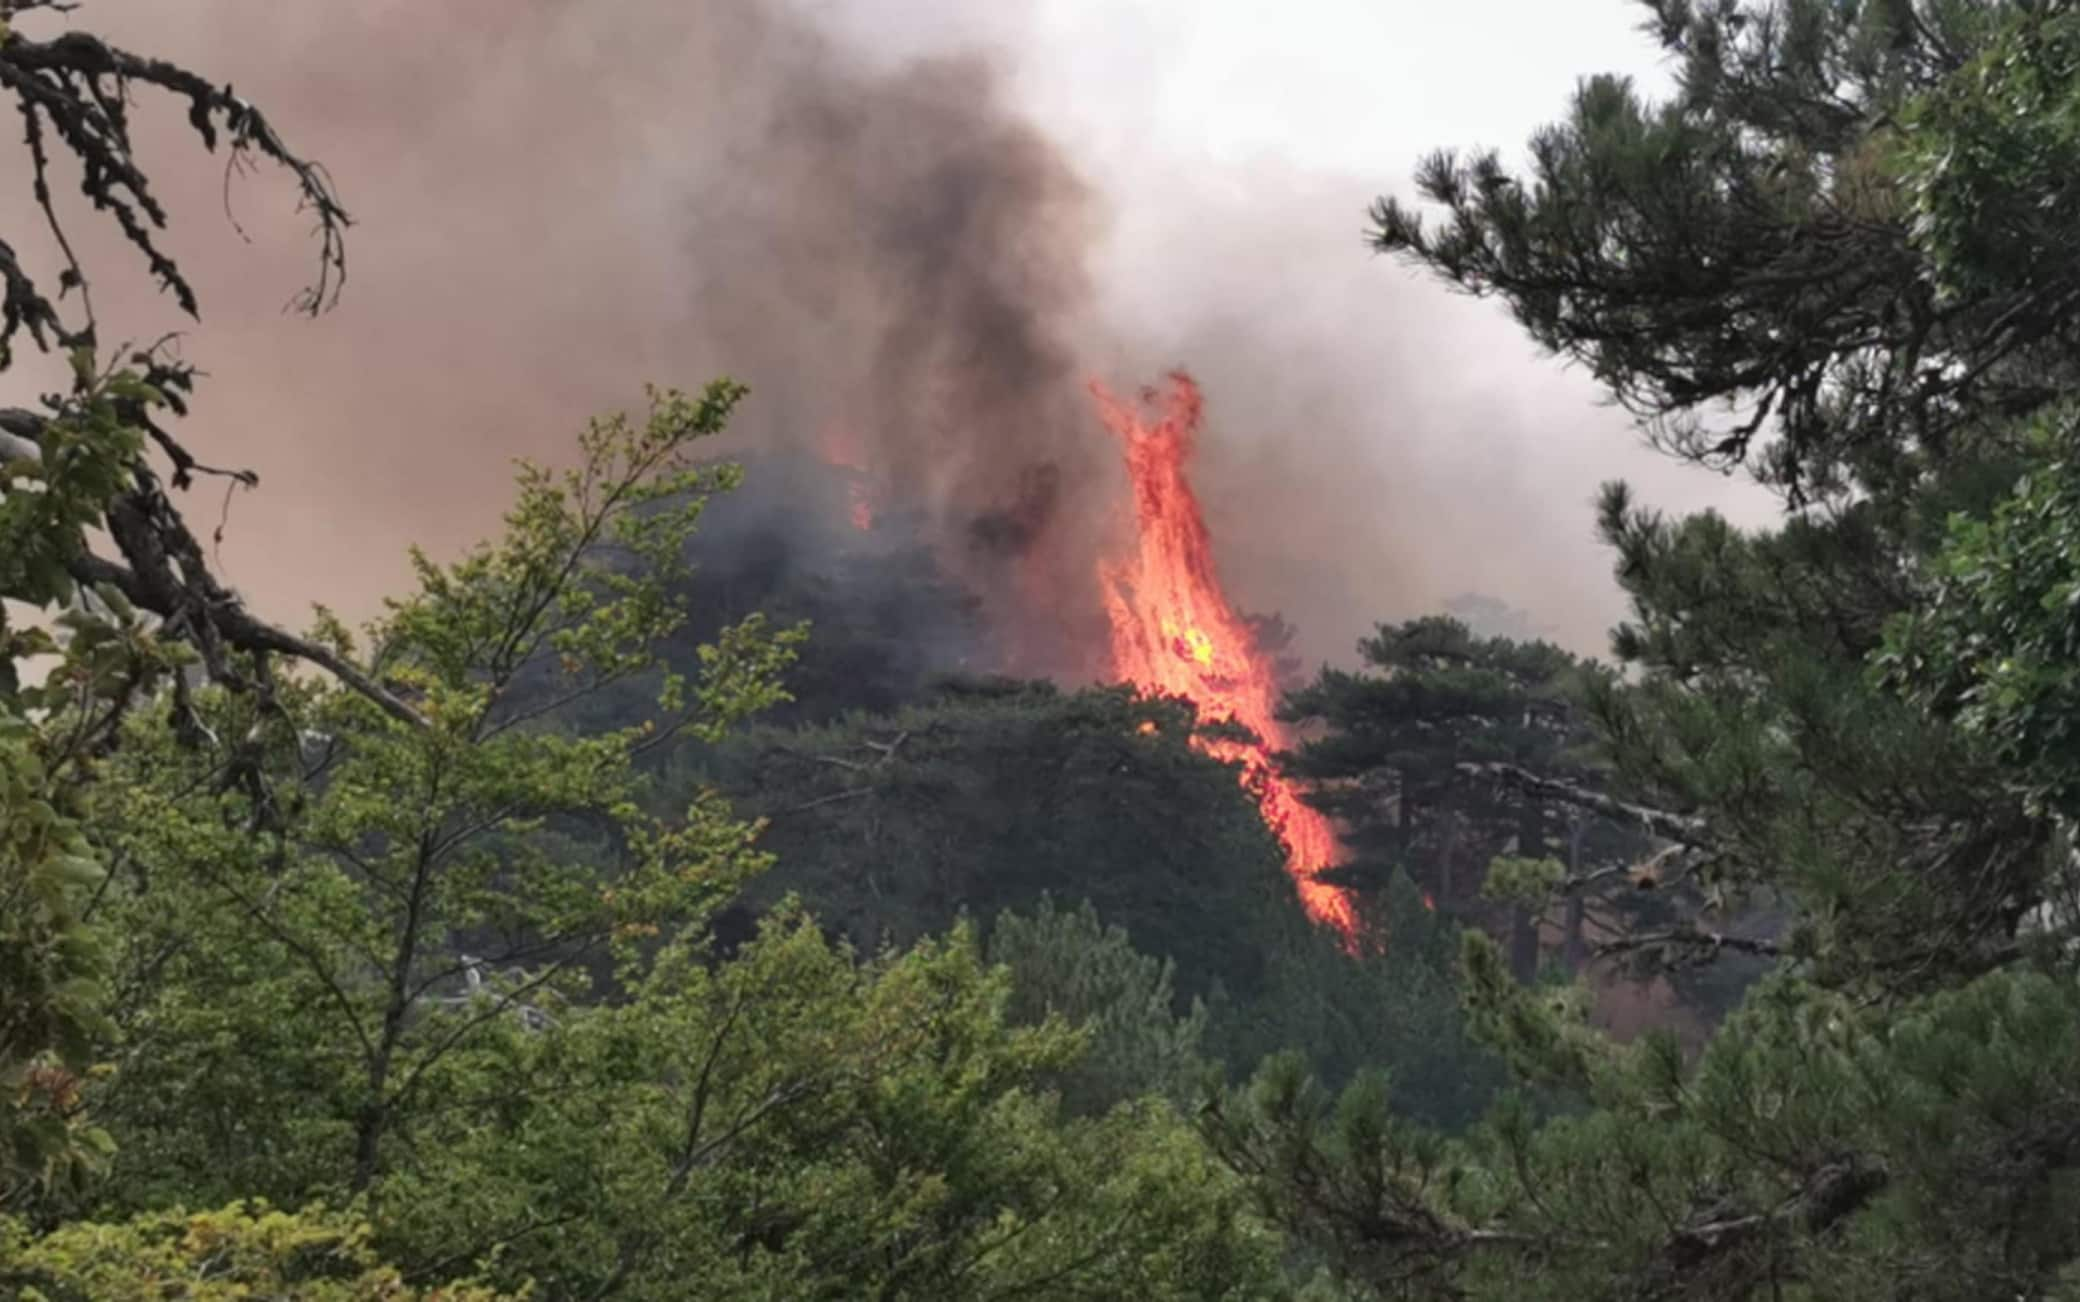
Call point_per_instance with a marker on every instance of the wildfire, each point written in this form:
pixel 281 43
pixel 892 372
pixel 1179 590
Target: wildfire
pixel 1174 632
pixel 841 448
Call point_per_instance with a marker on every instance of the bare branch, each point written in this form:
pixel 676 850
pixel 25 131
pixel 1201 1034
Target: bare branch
pixel 1685 829
pixel 74 89
pixel 850 793
pixel 77 83
pixel 1693 938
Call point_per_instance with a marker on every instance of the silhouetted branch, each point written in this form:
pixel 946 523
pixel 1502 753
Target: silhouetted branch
pixel 78 86
pixel 74 93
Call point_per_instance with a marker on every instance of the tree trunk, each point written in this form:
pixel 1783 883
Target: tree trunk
pixel 374 1120
pixel 1404 823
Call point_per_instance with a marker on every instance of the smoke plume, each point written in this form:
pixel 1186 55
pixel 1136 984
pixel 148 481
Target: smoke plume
pixel 901 257
pixel 559 200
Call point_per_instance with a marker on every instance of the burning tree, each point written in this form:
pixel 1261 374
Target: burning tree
pixel 1174 631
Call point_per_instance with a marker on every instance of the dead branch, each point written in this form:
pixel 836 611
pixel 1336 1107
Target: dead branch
pixel 1665 869
pixel 850 793
pixel 78 86
pixel 1703 944
pixel 163 572
pixel 199 609
pixel 74 93
pixel 1685 829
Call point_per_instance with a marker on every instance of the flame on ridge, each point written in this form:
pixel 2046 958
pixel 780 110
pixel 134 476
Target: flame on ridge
pixel 1174 632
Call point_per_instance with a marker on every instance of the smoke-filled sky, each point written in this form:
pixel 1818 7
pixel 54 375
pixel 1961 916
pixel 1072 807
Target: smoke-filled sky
pixel 933 219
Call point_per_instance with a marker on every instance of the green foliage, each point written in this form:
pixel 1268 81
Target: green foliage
pixel 1336 1170
pixel 1395 1007
pixel 358 962
pixel 50 971
pixel 796 1123
pixel 92 660
pixel 1846 224
pixel 1995 644
pixel 994 798
pixel 72 475
pixel 1432 698
pixel 48 501
pixel 1889 831
pixel 993 795
pixel 329 920
pixel 431 947
pixel 1990 155
pixel 238 1252
pixel 1739 264
pixel 1451 755
pixel 418 941
pixel 1525 881
pixel 1819 1150
pixel 1068 964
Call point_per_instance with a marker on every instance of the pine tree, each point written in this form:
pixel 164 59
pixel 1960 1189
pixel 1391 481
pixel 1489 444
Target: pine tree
pixel 1423 758
pixel 1849 227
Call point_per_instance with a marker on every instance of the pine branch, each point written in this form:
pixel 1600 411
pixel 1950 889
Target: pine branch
pixel 1829 1196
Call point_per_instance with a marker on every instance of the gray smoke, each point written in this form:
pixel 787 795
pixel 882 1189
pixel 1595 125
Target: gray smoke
pixel 559 200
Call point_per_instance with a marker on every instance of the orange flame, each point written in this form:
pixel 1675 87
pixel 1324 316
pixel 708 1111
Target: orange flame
pixel 1174 632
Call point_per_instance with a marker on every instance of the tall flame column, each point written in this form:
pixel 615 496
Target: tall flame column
pixel 1174 632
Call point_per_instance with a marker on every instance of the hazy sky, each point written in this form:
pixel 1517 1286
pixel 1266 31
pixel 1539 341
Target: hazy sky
pixel 1358 85
pixel 1340 98
pixel 521 172
pixel 1189 113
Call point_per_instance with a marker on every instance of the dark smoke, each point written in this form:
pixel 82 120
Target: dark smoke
pixel 887 620
pixel 951 240
pixel 562 199
pixel 1014 530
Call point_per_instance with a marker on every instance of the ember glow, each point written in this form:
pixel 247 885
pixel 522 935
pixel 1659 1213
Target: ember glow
pixel 1173 631
pixel 841 448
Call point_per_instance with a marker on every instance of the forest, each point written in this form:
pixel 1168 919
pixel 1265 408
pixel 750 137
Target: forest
pixel 669 898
